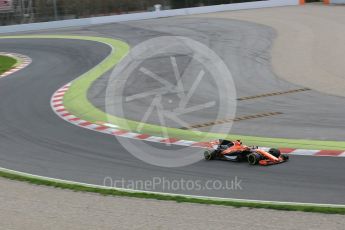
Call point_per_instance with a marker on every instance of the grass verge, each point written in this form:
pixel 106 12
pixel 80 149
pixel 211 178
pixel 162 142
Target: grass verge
pixel 177 198
pixel 6 63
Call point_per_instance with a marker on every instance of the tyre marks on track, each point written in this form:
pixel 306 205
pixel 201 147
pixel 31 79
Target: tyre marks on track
pixel 228 120
pixel 273 94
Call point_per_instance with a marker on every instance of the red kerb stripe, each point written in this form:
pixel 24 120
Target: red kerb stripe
pixel 169 140
pixel 74 119
pixel 143 136
pixel 120 132
pixel 329 153
pixel 85 123
pixel 101 128
pixel 286 150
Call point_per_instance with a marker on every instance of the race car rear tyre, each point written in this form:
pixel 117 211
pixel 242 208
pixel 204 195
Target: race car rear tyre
pixel 285 157
pixel 254 158
pixel 275 152
pixel 209 155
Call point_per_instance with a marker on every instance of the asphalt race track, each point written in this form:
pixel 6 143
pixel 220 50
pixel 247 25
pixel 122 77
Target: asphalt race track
pixel 34 140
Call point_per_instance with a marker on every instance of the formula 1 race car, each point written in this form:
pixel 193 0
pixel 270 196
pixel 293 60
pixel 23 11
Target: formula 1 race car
pixel 236 151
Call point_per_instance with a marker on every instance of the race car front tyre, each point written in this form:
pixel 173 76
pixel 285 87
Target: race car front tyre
pixel 275 152
pixel 254 158
pixel 285 157
pixel 209 155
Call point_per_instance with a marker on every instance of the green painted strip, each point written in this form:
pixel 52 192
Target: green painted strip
pixel 76 101
pixel 82 187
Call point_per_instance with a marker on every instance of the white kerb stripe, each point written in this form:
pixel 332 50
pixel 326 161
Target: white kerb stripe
pixel 109 131
pixel 60 94
pixel 60 107
pixel 78 122
pixel 128 135
pixel 155 139
pixel 184 143
pixel 304 152
pixel 110 125
pixel 70 117
pixel 57 102
pixel 92 126
pixel 342 155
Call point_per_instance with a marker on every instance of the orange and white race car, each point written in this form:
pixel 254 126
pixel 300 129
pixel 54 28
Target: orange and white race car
pixel 236 151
